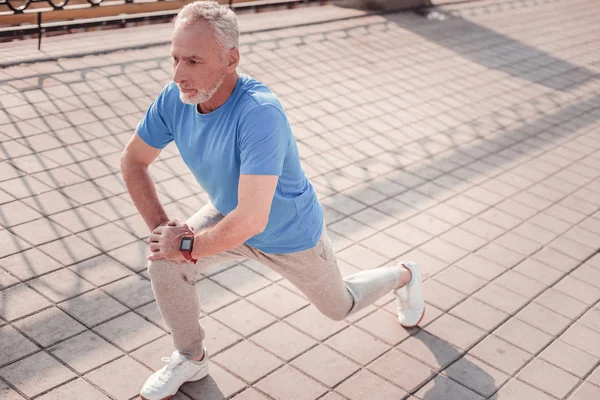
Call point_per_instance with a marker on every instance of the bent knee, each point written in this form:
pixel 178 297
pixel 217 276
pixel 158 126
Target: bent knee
pixel 158 269
pixel 334 313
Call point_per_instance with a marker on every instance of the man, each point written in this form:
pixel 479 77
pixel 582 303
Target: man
pixel 234 136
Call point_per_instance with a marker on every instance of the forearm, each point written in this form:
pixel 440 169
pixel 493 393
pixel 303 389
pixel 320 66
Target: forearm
pixel 143 193
pixel 230 232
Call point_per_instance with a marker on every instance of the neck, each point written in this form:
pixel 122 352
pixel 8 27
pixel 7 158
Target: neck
pixel 221 96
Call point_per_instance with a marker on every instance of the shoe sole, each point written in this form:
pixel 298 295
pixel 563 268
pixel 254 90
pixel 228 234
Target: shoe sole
pixel 197 377
pixel 418 322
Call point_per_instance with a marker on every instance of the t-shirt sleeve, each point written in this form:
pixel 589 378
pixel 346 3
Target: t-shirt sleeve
pixel 264 138
pixel 153 128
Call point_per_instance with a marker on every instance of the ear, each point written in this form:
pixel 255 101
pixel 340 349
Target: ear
pixel 233 59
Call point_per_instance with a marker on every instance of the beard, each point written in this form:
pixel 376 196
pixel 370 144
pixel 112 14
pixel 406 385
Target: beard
pixel 203 95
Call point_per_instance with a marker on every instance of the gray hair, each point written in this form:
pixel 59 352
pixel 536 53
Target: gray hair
pixel 221 19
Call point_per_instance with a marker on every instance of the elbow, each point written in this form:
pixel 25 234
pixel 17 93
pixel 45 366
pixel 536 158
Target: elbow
pixel 128 163
pixel 257 225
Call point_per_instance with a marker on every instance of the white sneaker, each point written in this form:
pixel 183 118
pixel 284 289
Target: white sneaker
pixel 164 383
pixel 411 304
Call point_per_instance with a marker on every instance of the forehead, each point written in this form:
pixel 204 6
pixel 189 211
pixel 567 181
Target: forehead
pixel 193 38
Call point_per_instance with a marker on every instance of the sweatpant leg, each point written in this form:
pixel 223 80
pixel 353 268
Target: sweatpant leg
pixel 316 274
pixel 174 286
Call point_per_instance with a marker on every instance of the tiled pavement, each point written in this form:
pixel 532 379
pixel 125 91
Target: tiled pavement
pixel 471 145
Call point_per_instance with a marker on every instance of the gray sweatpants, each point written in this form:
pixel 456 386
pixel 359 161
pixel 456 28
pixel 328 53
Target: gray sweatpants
pixel 313 271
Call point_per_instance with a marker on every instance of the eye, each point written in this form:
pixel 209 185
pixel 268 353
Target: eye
pixel 175 59
pixel 193 62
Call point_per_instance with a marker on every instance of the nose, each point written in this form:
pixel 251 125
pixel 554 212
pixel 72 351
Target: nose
pixel 178 73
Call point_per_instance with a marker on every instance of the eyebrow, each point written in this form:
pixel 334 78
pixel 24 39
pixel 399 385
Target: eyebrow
pixel 189 58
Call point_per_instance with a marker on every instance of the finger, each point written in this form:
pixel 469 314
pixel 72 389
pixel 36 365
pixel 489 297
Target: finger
pixel 173 222
pixel 154 247
pixel 154 257
pixel 154 238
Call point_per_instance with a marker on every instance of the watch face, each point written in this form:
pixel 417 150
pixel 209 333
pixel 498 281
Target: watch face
pixel 186 244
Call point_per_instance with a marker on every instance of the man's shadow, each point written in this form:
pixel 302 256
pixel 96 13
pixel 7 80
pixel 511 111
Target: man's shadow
pixel 468 381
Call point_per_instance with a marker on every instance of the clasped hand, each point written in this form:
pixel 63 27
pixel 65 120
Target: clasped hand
pixel 165 241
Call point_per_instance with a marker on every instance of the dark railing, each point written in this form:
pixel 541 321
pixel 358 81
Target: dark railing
pixel 39 8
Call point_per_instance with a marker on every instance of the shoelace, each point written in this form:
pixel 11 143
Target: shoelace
pixel 164 376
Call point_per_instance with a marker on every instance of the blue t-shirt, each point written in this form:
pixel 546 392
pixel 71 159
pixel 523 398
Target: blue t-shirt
pixel 248 134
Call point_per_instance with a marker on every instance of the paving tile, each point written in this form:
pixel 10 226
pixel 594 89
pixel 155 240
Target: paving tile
pixel 241 280
pixel 277 301
pixel 211 296
pixel 449 214
pixel 479 314
pixel 250 394
pixel 93 308
pixel 573 249
pixel 442 388
pixel 310 321
pixel 357 345
pixel 29 263
pixel 402 370
pixel 20 300
pixel 36 374
pixel 152 313
pixel 107 237
pixel 133 256
pixel 476 375
pixel 578 363
pixel 460 280
pixel 549 378
pixel 10 244
pixel 480 267
pixel 408 234
pixel 352 229
pixel 7 279
pixel 443 250
pixel 61 285
pixel 326 365
pixel 18 212
pixel 218 336
pixel 500 298
pixel 40 231
pixel 7 393
pixel 500 255
pixel 362 257
pixel 579 290
pixel 49 326
pixel 85 352
pixel 244 318
pixel 386 245
pixel 151 354
pixel 587 391
pixel 523 335
pixel 517 390
pixel 128 331
pixel 520 284
pixel 284 341
pixel 441 296
pixel 464 239
pixel 555 259
pixel 14 345
pixel 69 250
pixel 132 291
pixel 583 338
pixel 76 389
pixel 101 270
pixel 78 219
pixel 430 350
pixel 588 274
pixel 430 224
pixel 561 303
pixel 535 233
pixel 538 271
pixel 247 361
pixel 121 379
pixel 500 354
pixel 289 383
pixel 366 385
pixel 384 326
pixel 218 384
pixel 50 203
